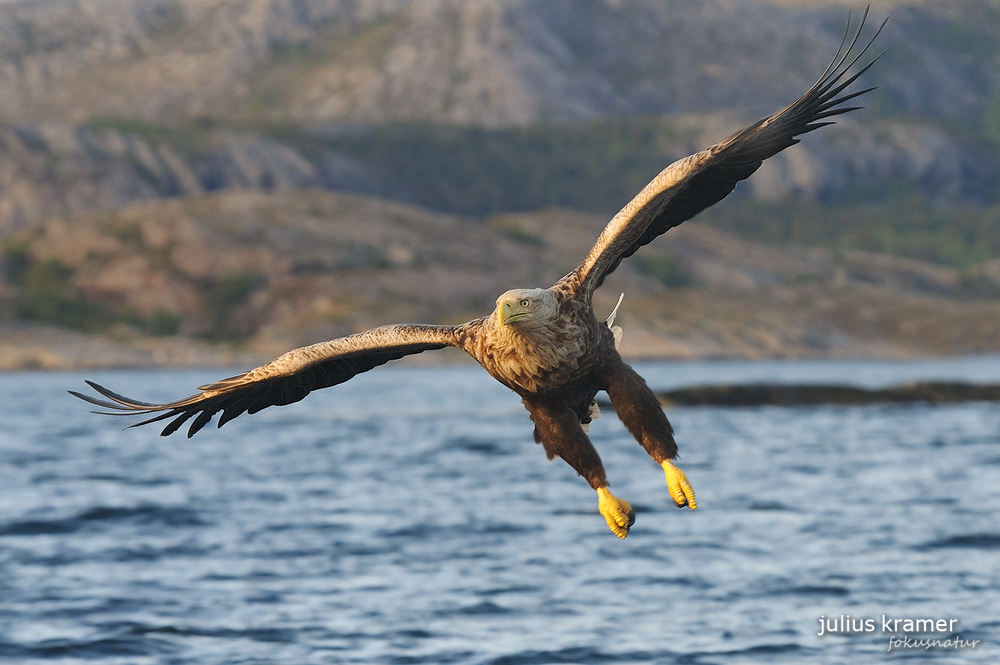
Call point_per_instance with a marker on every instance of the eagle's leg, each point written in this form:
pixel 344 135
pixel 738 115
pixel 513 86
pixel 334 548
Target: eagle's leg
pixel 640 411
pixel 561 434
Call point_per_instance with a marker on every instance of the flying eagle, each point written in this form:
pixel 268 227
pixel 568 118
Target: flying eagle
pixel 546 344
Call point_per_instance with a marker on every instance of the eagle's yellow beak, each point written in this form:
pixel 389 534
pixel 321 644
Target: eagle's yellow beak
pixel 509 310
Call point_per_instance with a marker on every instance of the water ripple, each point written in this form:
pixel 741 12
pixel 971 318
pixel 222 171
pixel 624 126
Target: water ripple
pixel 337 530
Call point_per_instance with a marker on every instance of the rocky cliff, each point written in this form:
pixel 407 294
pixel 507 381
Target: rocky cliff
pixel 106 102
pixel 478 62
pixel 276 270
pixel 193 168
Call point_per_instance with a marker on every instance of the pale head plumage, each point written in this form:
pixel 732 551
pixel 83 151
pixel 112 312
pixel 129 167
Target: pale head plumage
pixel 527 309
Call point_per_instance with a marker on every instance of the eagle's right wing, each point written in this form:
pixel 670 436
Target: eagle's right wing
pixel 286 379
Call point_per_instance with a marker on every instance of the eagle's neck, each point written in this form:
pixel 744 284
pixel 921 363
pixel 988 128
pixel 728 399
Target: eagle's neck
pixel 534 360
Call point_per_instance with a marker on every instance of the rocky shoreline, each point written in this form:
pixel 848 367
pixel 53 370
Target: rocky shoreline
pixel 31 347
pixel 763 394
pixel 28 347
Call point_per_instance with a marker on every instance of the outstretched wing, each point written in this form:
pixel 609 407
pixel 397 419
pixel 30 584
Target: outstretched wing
pixel 692 184
pixel 286 379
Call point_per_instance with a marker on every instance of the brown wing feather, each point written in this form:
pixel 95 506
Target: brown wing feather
pixel 694 183
pixel 286 379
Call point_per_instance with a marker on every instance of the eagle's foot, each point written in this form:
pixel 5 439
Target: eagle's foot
pixel 678 486
pixel 617 513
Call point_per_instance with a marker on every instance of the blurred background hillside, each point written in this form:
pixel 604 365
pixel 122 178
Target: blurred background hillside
pixel 187 181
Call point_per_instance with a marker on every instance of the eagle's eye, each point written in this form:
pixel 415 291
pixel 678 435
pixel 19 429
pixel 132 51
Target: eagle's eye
pixel 525 302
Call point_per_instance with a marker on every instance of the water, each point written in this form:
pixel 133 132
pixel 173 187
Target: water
pixel 407 517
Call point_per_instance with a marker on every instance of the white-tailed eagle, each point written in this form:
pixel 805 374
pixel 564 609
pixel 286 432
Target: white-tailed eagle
pixel 546 345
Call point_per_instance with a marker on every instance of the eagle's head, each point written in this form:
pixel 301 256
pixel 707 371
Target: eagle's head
pixel 527 309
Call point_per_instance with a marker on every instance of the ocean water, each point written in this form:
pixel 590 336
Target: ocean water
pixel 407 517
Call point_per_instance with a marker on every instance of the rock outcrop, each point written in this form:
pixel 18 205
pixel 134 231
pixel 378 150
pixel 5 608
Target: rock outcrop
pixel 271 271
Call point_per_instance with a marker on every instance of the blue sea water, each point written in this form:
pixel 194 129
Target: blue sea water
pixel 407 517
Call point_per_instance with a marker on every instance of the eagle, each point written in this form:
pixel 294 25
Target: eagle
pixel 546 345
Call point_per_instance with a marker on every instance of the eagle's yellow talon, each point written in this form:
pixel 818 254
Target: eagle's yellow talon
pixel 617 513
pixel 678 486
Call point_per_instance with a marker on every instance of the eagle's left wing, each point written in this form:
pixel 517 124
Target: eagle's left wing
pixel 692 184
pixel 286 379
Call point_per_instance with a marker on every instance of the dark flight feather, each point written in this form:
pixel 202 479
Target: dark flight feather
pixel 286 380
